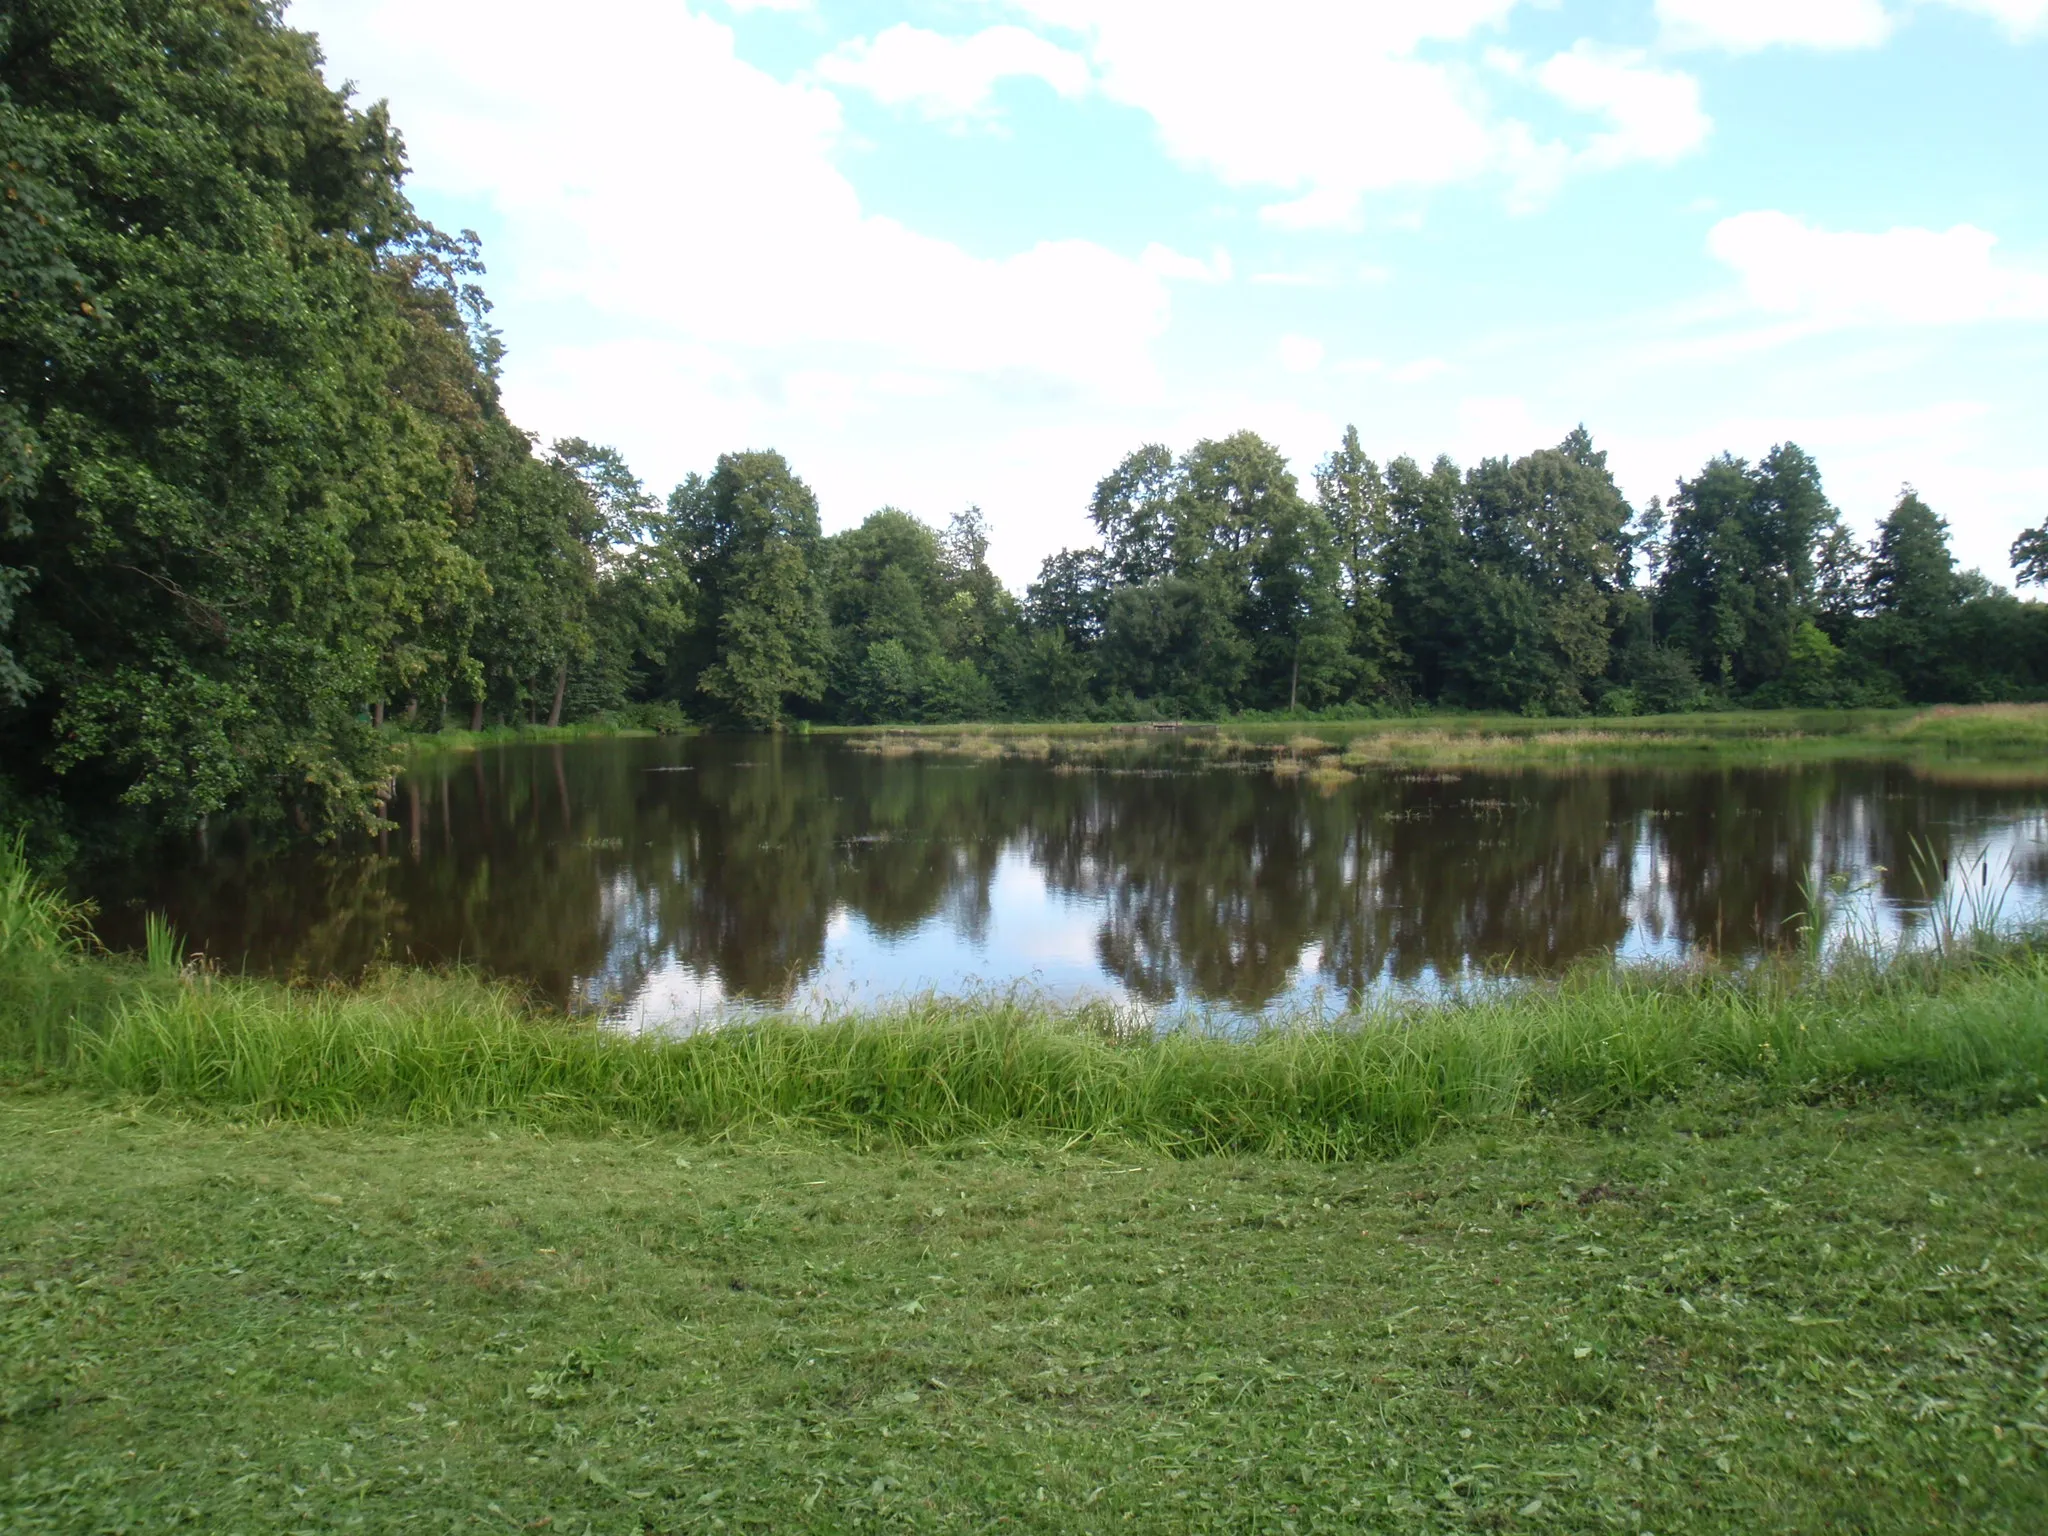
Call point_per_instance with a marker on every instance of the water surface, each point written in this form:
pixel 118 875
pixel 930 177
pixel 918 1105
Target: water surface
pixel 672 881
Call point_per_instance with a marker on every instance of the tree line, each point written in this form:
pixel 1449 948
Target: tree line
pixel 1220 586
pixel 261 504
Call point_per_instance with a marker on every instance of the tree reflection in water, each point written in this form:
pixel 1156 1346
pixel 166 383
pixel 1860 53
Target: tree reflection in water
pixel 747 864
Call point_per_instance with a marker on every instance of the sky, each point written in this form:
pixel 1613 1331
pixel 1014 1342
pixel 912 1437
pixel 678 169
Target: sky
pixel 970 252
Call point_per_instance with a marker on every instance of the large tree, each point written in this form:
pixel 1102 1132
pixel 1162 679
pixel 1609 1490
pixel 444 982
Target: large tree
pixel 642 597
pixel 761 632
pixel 230 528
pixel 1742 563
pixel 1352 495
pixel 1429 575
pixel 1914 598
pixel 1549 533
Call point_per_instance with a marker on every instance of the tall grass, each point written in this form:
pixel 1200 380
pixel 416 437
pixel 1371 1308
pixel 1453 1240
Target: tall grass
pixel 435 1050
pixel 1980 727
pixel 49 986
pixel 441 1049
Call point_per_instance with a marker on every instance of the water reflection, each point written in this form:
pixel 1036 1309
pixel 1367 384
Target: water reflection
pixel 670 879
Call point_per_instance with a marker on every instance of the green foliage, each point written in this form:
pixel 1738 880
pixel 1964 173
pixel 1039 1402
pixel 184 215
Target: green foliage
pixel 1810 679
pixel 254 479
pixel 2030 555
pixel 943 1071
pixel 751 532
pixel 643 596
pixel 919 622
pixel 1526 584
pixel 1353 499
pixel 218 464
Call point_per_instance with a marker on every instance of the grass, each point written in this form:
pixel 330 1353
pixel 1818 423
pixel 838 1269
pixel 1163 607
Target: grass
pixel 436 1051
pixel 1994 726
pixel 2006 739
pixel 453 739
pixel 1720 1316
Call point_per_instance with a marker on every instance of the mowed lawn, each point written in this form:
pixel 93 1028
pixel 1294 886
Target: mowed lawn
pixel 1721 1318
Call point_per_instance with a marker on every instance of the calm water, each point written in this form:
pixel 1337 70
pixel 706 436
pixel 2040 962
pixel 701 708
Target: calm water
pixel 676 880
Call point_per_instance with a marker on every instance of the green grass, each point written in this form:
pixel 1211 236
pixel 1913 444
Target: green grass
pixel 1723 1316
pixel 441 1051
pixel 452 739
pixel 2001 739
pixel 1736 724
pixel 1998 727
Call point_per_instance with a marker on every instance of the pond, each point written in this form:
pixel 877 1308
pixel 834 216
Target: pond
pixel 673 881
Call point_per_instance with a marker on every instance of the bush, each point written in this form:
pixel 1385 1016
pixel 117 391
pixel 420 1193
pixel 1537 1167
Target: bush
pixel 1620 702
pixel 664 717
pixel 1664 680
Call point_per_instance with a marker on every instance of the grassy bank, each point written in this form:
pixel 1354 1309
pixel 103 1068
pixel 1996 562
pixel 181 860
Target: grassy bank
pixel 452 739
pixel 1712 1317
pixel 1969 1026
pixel 2003 736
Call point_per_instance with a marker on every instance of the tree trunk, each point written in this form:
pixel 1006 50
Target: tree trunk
pixel 476 715
pixel 412 709
pixel 561 687
pixel 377 714
pixel 1294 682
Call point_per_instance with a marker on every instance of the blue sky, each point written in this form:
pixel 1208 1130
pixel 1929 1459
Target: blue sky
pixel 963 252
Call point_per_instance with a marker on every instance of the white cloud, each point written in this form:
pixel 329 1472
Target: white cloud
pixel 1320 103
pixel 1744 26
pixel 1492 425
pixel 950 77
pixel 1326 104
pixel 1300 354
pixel 1165 261
pixel 687 194
pixel 2019 17
pixel 1655 113
pixel 1902 276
